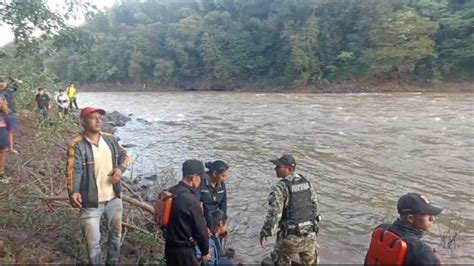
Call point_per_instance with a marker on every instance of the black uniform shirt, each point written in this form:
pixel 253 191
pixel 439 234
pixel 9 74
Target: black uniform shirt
pixel 42 101
pixel 187 224
pixel 213 198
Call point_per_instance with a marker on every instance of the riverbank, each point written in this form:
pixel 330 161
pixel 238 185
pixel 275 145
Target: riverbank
pixel 368 86
pixel 37 224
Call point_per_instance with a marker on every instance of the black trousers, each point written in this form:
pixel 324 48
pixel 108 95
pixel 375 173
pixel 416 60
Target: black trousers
pixel 71 102
pixel 180 256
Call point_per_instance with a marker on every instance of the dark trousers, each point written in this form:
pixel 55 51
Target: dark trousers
pixel 42 112
pixel 71 102
pixel 180 256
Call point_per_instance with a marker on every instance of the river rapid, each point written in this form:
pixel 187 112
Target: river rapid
pixel 361 152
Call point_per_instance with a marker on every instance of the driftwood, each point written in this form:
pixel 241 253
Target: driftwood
pixel 140 204
pixel 132 226
pixel 145 206
pixel 130 189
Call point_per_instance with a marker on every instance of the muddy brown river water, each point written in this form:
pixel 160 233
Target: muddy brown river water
pixel 361 151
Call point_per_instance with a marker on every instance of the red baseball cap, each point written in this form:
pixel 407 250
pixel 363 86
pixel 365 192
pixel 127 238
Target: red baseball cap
pixel 89 110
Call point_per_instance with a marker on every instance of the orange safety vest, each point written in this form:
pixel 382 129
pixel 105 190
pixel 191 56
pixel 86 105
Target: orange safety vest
pixel 386 248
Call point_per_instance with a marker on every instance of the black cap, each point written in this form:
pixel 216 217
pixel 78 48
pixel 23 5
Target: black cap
pixel 286 159
pixel 193 167
pixel 416 203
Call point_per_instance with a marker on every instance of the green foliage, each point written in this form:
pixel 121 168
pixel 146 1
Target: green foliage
pixel 400 41
pixel 28 18
pixel 57 125
pixel 150 248
pixel 289 42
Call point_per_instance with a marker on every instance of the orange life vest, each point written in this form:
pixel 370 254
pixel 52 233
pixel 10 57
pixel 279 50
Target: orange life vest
pixel 386 248
pixel 163 206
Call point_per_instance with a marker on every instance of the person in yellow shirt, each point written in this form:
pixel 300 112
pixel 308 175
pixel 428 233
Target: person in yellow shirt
pixel 72 94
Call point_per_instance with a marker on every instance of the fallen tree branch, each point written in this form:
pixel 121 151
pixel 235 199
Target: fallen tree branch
pixel 136 228
pixel 54 198
pixel 145 206
pixel 130 189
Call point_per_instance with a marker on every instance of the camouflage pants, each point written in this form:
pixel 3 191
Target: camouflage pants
pixel 305 247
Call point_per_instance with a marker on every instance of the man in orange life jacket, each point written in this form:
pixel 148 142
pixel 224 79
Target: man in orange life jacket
pixel 417 216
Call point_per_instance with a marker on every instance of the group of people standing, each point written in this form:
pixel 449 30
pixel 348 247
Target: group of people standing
pixel 66 100
pixel 198 222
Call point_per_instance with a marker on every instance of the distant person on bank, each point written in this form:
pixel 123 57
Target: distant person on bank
pixel 43 103
pixel 94 167
pixel 7 91
pixel 63 103
pixel 3 136
pixel 72 94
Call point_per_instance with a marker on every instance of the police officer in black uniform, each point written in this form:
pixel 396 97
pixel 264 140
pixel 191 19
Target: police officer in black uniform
pixel 213 193
pixel 187 226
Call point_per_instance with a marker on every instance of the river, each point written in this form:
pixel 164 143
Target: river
pixel 361 151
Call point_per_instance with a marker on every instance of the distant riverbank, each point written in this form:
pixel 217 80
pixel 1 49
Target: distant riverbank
pixel 347 87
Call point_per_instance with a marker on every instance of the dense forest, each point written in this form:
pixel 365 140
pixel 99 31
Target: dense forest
pixel 271 42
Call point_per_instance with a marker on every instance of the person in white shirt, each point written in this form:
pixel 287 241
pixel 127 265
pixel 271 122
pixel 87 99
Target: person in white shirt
pixel 63 103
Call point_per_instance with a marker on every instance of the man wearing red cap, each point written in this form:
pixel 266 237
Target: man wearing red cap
pixel 95 164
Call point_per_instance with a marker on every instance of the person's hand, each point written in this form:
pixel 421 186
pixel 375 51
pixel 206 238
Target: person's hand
pixel 207 257
pixel 263 241
pixel 209 232
pixel 437 256
pixel 12 150
pixel 76 200
pixel 116 174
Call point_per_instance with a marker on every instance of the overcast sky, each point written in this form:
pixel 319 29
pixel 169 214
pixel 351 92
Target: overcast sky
pixel 6 35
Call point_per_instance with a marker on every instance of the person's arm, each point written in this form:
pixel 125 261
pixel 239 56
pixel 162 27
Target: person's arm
pixel 37 100
pixel 200 233
pixel 74 172
pixel 123 158
pixel 49 101
pixel 122 162
pixel 314 199
pixel 223 202
pixel 426 256
pixel 276 203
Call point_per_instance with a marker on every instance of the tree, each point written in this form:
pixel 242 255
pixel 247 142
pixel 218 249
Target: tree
pixel 400 41
pixel 455 40
pixel 28 18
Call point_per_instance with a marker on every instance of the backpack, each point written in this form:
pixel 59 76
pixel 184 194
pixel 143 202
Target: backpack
pixel 163 205
pixel 386 248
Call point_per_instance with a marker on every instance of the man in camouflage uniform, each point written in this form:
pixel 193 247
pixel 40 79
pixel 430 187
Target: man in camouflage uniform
pixel 293 208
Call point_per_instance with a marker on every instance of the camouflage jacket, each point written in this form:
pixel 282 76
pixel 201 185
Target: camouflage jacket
pixel 277 200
